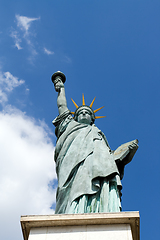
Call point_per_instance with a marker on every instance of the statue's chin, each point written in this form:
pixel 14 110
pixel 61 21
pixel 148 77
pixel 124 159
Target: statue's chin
pixel 86 121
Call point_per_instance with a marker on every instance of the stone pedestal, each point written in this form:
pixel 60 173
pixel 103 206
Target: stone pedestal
pixel 94 226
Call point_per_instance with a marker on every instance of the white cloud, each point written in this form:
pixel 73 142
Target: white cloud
pixel 10 81
pixel 26 169
pixel 17 39
pixel 24 22
pixel 7 83
pixel 3 97
pixel 48 52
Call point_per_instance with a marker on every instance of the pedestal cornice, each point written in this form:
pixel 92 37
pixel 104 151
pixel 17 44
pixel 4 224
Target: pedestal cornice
pixel 38 221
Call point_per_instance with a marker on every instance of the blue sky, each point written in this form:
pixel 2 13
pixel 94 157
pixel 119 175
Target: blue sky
pixel 108 49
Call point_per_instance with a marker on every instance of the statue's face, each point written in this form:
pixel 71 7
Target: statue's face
pixel 84 116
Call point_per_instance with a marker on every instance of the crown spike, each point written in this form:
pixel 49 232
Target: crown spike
pixel 83 101
pixel 92 102
pixel 72 113
pixel 74 103
pixel 100 117
pixel 98 109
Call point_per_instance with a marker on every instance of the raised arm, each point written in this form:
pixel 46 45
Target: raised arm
pixel 58 79
pixel 61 100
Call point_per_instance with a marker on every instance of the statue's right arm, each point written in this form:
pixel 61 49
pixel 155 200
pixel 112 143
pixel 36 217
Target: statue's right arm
pixel 61 101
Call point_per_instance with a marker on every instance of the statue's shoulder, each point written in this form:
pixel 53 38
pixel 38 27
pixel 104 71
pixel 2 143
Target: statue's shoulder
pixel 61 118
pixel 61 122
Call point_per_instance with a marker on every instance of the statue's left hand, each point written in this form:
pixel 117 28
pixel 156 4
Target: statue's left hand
pixel 134 146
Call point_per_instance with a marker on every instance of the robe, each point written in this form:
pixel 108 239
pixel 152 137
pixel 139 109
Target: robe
pixel 88 176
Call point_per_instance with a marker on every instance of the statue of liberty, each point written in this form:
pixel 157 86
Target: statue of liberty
pixel 89 172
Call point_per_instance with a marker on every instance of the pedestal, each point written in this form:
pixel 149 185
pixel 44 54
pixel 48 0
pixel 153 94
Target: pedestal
pixel 94 226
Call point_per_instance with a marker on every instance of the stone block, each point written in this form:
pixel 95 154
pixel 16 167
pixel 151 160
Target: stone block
pixel 94 226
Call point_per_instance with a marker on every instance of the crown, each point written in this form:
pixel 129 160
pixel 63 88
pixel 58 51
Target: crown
pixel 89 108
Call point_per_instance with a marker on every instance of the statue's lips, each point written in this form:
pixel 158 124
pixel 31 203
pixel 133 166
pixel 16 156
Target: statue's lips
pixel 83 117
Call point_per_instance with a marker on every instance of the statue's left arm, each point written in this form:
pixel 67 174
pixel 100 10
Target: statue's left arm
pixel 124 154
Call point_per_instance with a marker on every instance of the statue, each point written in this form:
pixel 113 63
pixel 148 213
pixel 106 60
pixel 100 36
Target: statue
pixel 89 172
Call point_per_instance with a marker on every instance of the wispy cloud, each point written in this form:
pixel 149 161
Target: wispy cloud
pixel 7 83
pixel 67 59
pixel 17 39
pixel 24 23
pixel 22 32
pixel 48 52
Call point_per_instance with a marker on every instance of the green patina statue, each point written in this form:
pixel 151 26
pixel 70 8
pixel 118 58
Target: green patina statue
pixel 89 172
